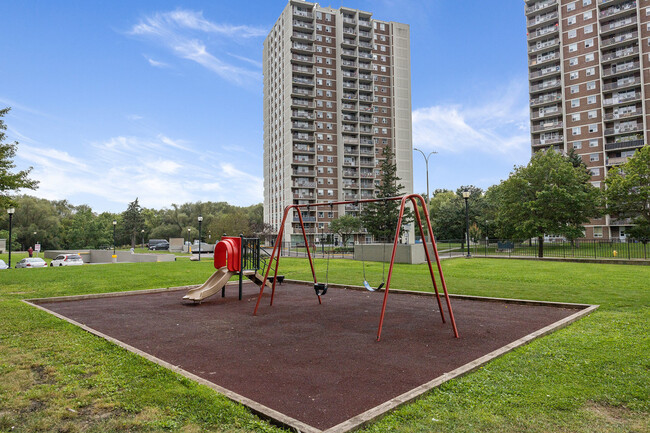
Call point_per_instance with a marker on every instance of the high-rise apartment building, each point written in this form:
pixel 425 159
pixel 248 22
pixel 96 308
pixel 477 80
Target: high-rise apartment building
pixel 589 71
pixel 337 91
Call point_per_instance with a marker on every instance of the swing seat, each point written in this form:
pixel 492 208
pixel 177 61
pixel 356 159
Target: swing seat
pixel 320 289
pixel 368 286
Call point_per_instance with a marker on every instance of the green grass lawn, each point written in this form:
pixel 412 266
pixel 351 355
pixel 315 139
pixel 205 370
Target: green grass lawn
pixel 593 376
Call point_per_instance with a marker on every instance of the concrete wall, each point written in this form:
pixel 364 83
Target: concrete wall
pixel 105 256
pixel 176 244
pixel 3 246
pixel 405 253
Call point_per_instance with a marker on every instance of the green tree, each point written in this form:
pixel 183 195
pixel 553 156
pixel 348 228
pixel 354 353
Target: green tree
pixel 133 221
pixel 380 218
pixel 547 196
pixel 628 193
pixel 345 226
pixel 10 181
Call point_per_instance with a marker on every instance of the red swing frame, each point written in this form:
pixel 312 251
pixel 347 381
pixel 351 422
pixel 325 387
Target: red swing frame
pixel 403 200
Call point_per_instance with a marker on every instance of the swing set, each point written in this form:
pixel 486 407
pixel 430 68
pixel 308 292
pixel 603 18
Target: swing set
pixel 320 288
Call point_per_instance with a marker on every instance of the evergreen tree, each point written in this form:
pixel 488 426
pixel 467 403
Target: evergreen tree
pixel 133 221
pixel 380 218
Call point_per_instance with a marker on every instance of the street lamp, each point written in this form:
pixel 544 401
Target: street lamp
pixel 426 162
pixel 10 211
pixel 114 225
pixel 188 240
pixel 466 195
pixel 200 218
pixel 142 231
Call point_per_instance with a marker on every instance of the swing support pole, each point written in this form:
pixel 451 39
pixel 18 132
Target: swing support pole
pixel 413 198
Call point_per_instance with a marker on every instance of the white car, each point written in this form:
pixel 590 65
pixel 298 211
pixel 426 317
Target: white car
pixel 31 262
pixel 67 260
pixel 3 265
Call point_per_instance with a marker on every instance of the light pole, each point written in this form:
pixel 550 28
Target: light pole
pixel 189 249
pixel 142 231
pixel 200 221
pixel 426 162
pixel 466 195
pixel 10 211
pixel 114 225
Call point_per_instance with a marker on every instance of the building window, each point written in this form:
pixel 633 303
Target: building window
pixel 575 117
pixel 577 145
pixel 572 33
pixel 330 159
pixel 571 6
pixel 571 20
pixel 594 157
pixel 591 99
pixel 575 89
pixel 573 48
pixel 588 29
pixel 592 114
pixel 573 75
pixel 589 57
pixel 587 15
pixel 590 71
pixel 591 85
pixel 593 127
pixel 595 171
pixel 589 43
pixel 598 232
pixel 576 130
pixel 593 143
pixel 575 103
pixel 586 2
pixel 573 61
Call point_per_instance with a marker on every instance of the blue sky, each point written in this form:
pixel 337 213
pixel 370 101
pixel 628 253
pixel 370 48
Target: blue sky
pixel 162 100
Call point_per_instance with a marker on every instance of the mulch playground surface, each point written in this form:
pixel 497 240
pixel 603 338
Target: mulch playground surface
pixel 319 364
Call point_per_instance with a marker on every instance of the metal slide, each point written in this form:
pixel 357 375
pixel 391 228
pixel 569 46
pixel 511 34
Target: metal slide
pixel 214 284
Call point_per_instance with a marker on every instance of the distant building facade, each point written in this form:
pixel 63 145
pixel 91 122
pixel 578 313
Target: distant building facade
pixel 337 91
pixel 589 72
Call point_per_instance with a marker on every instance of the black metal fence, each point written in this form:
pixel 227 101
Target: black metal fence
pixel 580 249
pixel 317 250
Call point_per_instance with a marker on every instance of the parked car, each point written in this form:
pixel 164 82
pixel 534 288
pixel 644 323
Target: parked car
pixel 158 244
pixel 3 265
pixel 31 262
pixel 67 260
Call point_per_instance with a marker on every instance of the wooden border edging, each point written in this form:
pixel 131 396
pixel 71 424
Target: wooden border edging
pixel 357 421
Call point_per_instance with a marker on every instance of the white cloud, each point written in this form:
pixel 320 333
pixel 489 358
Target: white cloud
pixel 499 125
pixel 156 63
pixel 185 32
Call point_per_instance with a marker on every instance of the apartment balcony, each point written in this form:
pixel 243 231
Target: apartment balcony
pixel 350 140
pixel 540 142
pixel 541 19
pixel 303 137
pixel 544 114
pixel 364 23
pixel 349 42
pixel 610 162
pixel 626 115
pixel 304 196
pixel 302 69
pixel 349 20
pixel 350 196
pixel 365 77
pixel 545 99
pixel 620 69
pixel 349 63
pixel 304 126
pixel 350 150
pixel 365 45
pixel 367 174
pixel 348 52
pixel 302 14
pixel 539 33
pixel 548 126
pixel 621 222
pixel 349 74
pixel 365 130
pixel 365 119
pixel 302 47
pixel 365 55
pixel 352 207
pixel 310 185
pixel 547 71
pixel 627 23
pixel 540 60
pixel 348 31
pixel 622 84
pixel 303 160
pixel 348 107
pixel 300 36
pixel 303 81
pixel 541 6
pixel 350 185
pixel 621 99
pixel 303 148
pixel 366 162
pixel 365 87
pixel 620 54
pixel 303 25
pixel 299 58
pixel 297 91
pixel 621 9
pixel 349 118
pixel 347 172
pixel 619 39
pixel 626 144
pixel 302 103
pixel 542 87
pixel 364 34
pixel 302 114
pixel 349 129
pixel 350 84
pixel 306 219
pixel 623 129
pixel 365 65
pixel 541 46
pixel 365 108
pixel 366 141
pixel 304 173
pixel 349 97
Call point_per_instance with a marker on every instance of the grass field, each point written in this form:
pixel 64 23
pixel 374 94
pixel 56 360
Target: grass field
pixel 593 376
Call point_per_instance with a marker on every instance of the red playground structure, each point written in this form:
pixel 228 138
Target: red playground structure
pixel 321 288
